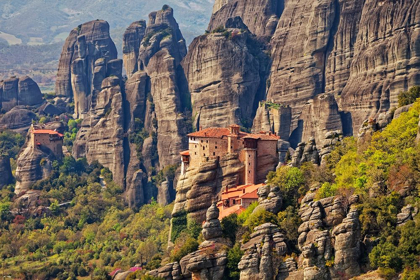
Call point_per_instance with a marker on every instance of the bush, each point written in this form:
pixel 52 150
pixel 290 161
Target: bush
pixel 183 248
pixel 385 255
pixel 234 256
pixel 230 227
pixel 259 217
pixel 326 190
pixel 290 180
pixel 409 97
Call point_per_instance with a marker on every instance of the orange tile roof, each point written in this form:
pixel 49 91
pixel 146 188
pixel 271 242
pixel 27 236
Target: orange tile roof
pixel 185 153
pixel 238 209
pixel 46 131
pixel 240 191
pixel 218 132
pixel 252 195
pixel 211 132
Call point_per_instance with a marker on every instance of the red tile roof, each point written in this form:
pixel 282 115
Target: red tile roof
pixel 211 132
pixel 238 209
pixel 46 131
pixel 185 153
pixel 217 132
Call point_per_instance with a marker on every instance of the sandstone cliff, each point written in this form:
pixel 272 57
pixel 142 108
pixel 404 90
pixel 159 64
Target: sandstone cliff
pixel 88 57
pixel 261 16
pixel 19 91
pixel 225 72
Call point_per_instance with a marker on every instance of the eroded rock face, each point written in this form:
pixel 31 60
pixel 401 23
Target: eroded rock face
pixel 224 73
pixel 83 64
pixel 379 46
pixel 198 187
pixel 306 152
pixel 320 115
pixel 263 253
pixel 19 91
pixel 407 214
pixel 261 16
pixel 5 171
pixel 275 118
pixel 33 164
pixel 131 45
pixel 270 199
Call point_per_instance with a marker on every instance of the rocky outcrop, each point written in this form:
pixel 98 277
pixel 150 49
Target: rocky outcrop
pixel 5 171
pixel 131 45
pixel 19 91
pixel 319 116
pixel 263 253
pixel 88 57
pixel 275 118
pixel 18 118
pixel 260 16
pixel 332 138
pixel 33 164
pixel 306 152
pixel 347 244
pixel 408 213
pixel 225 72
pixel 270 199
pixel 199 186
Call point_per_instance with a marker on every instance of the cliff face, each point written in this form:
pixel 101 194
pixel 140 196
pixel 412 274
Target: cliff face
pixel 131 43
pixel 86 59
pixel 261 16
pixel 386 58
pixel 225 72
pixel 19 91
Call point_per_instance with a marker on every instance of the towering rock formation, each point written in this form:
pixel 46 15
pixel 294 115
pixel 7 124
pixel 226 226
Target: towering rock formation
pixel 225 72
pixel 261 16
pixel 19 91
pixel 159 80
pixel 127 123
pixel 299 47
pixel 86 59
pixel 386 58
pixel 131 44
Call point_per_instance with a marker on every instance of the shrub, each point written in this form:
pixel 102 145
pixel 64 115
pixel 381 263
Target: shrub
pixel 259 217
pixel 230 227
pixel 234 256
pixel 385 255
pixel 183 247
pixel 409 97
pixel 326 190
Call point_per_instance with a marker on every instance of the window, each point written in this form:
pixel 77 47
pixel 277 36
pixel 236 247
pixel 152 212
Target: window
pixel 204 155
pixel 249 163
pixel 204 148
pixel 231 147
pixel 249 155
pixel 201 141
pixel 196 146
pixel 215 147
pixel 234 202
pixel 207 141
pixel 214 153
pixel 195 153
pixel 249 172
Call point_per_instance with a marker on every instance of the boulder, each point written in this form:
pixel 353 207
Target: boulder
pixel 18 118
pixel 19 91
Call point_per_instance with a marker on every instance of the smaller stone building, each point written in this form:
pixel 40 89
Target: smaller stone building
pixel 51 139
pixel 237 199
